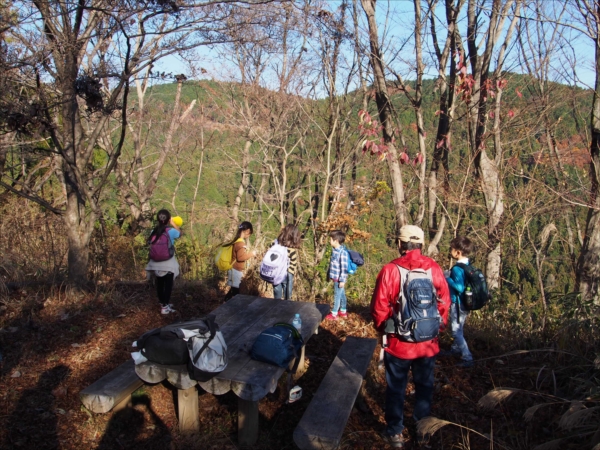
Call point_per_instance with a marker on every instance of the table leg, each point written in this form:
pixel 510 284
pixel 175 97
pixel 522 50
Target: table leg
pixel 247 422
pixel 187 410
pixel 301 367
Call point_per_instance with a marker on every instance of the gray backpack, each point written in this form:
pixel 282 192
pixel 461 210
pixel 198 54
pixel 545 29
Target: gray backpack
pixel 197 343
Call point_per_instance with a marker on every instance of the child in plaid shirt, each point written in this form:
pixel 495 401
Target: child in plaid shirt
pixel 338 272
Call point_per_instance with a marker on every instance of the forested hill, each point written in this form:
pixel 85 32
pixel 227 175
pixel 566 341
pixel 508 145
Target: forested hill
pixel 569 109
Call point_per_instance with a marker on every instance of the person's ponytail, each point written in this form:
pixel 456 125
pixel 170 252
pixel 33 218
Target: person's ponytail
pixel 240 229
pixel 163 217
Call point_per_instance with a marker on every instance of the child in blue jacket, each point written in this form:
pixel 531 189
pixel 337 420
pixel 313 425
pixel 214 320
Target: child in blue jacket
pixel 460 249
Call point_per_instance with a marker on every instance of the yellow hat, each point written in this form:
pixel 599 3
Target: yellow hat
pixel 177 221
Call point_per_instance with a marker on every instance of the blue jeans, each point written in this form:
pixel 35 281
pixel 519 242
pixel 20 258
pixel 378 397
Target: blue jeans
pixel 339 298
pixel 459 346
pixel 284 289
pixel 396 374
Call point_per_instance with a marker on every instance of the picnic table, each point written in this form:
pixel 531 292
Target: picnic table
pixel 241 320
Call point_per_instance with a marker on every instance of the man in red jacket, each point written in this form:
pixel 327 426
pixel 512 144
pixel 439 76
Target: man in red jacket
pixel 400 356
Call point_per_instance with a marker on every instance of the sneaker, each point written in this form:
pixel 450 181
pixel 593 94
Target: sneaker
pixel 343 314
pixel 167 309
pixel 396 441
pixel 465 364
pixel 331 317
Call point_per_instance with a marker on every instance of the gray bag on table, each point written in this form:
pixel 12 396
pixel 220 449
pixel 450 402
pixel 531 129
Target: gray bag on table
pixel 198 343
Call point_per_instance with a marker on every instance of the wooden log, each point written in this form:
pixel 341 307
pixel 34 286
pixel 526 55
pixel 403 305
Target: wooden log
pixel 216 386
pixel 247 422
pixel 179 377
pixel 114 388
pixel 323 422
pixel 187 410
pixel 151 372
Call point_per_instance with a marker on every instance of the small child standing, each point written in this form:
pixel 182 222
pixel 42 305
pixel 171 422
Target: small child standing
pixel 460 249
pixel 338 272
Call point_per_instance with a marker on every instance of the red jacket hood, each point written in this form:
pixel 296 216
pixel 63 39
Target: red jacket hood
pixel 385 297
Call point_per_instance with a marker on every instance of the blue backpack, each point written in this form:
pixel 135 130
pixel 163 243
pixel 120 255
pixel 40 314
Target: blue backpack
pixel 355 260
pixel 417 318
pixel 277 345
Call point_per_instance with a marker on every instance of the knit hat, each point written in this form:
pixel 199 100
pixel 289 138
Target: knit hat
pixel 412 233
pixel 177 221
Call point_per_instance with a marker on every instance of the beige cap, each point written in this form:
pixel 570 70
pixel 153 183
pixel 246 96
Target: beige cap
pixel 412 233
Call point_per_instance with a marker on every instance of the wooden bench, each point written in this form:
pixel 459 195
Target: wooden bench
pixel 112 391
pixel 323 422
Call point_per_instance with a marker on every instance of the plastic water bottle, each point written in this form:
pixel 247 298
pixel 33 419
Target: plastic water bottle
pixel 297 322
pixel 468 297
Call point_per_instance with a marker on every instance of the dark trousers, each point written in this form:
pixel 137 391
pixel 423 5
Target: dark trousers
pixel 164 287
pixel 396 374
pixel 233 291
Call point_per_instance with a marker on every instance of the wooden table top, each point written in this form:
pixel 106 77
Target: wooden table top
pixel 241 320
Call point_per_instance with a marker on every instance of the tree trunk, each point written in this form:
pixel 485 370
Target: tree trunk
pixel 79 232
pixel 384 108
pixel 588 267
pixel 235 210
pixel 81 211
pixel 438 184
pixel 489 169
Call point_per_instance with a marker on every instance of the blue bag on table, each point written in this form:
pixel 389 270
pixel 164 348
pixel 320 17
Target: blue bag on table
pixel 277 345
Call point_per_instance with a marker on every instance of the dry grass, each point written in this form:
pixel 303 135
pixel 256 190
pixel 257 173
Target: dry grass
pixel 493 398
pixel 429 425
pixel 578 416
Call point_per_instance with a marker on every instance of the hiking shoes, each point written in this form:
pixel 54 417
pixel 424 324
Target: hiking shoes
pixel 167 309
pixel 330 317
pixel 396 441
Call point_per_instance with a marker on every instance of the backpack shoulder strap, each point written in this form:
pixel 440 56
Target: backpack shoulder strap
pixel 467 268
pixel 168 235
pixel 403 271
pixel 403 275
pixel 212 326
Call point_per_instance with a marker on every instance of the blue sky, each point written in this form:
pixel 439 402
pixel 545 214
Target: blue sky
pixel 395 28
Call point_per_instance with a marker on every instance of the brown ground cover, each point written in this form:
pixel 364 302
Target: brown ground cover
pixel 55 342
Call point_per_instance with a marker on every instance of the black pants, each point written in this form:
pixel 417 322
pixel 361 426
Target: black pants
pixel 164 286
pixel 233 291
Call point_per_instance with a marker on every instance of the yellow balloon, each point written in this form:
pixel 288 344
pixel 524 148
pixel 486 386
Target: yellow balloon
pixel 177 221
